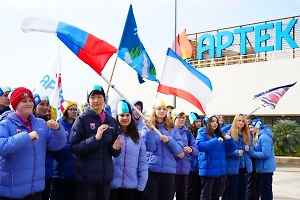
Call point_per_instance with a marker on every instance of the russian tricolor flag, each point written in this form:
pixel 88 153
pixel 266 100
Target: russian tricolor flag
pixel 90 49
pixel 184 81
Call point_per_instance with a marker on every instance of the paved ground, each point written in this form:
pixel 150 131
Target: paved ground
pixel 286 184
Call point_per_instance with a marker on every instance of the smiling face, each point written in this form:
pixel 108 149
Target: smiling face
pixel 96 101
pixel 25 106
pixel 124 119
pixel 214 123
pixel 42 108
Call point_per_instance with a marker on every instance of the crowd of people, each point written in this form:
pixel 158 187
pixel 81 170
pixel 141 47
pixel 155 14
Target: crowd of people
pixel 95 156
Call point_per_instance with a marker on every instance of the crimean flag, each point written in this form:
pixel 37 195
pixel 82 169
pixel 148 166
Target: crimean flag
pixel 184 81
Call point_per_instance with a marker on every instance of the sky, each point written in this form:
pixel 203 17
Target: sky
pixel 24 57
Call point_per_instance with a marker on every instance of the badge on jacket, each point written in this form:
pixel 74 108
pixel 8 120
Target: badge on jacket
pixel 93 125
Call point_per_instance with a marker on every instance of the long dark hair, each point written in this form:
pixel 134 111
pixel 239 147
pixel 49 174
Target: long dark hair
pixel 210 132
pixel 194 129
pixel 131 130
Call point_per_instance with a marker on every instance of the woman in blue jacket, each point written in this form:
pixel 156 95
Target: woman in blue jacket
pixel 24 139
pixel 212 146
pixel 130 167
pixel 190 148
pixel 40 109
pixel 238 163
pixel 63 186
pixel 194 184
pixel 163 150
pixel 264 156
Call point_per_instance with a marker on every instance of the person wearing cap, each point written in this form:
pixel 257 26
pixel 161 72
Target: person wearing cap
pixel 169 111
pixel 190 148
pixel 41 106
pixel 212 146
pixel 238 163
pixel 63 185
pixel 162 153
pixel 264 155
pixel 24 139
pixel 4 100
pixel 40 109
pixel 131 167
pixel 94 140
pixel 193 184
pixel 136 116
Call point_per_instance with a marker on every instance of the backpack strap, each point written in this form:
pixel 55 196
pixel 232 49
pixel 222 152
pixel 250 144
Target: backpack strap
pixel 189 137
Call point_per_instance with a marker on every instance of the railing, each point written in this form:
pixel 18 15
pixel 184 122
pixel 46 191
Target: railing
pixel 249 58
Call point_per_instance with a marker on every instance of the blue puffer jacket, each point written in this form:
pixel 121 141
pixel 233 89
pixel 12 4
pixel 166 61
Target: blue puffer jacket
pixel 92 159
pixel 22 161
pixel 211 157
pixel 194 159
pixel 162 155
pixel 263 152
pixel 63 164
pixel 131 167
pixel 139 122
pixel 183 165
pixel 234 161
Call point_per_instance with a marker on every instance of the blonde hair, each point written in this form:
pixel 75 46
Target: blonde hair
pixel 245 130
pixel 255 138
pixel 167 122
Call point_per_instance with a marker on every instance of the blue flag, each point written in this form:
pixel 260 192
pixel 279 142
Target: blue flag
pixel 132 51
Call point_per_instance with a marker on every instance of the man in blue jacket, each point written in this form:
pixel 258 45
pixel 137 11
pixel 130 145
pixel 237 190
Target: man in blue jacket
pixel 94 140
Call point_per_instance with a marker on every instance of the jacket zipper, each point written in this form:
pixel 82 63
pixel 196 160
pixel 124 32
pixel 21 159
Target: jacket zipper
pixel 12 178
pixel 124 164
pixel 33 144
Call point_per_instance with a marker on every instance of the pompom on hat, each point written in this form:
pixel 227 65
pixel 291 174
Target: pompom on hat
pixel 96 88
pixel 37 99
pixel 18 94
pixel 157 103
pixel 176 112
pixel 64 105
pixel 123 107
pixel 193 117
pixel 3 89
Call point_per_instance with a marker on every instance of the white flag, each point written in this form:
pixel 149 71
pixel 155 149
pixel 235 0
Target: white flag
pixel 51 85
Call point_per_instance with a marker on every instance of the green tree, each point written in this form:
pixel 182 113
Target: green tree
pixel 286 136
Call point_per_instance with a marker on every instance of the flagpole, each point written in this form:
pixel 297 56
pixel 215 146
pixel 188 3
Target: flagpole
pixel 175 42
pixel 112 74
pixel 137 110
pixel 253 111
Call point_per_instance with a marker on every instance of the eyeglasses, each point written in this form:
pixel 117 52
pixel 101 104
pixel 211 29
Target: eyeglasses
pixel 73 109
